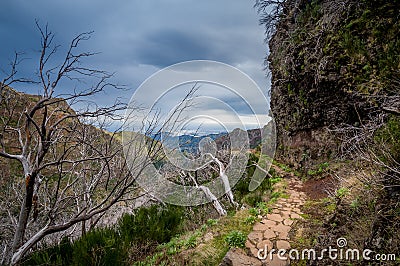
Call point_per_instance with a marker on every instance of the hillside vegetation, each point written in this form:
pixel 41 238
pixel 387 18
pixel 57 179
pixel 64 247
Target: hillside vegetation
pixel 335 95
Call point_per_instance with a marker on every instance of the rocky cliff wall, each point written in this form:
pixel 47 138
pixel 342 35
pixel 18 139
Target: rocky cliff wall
pixel 333 63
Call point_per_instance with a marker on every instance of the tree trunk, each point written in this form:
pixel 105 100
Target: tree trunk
pixel 214 200
pixel 83 229
pixel 225 181
pixel 24 213
pixel 209 195
pixel 21 251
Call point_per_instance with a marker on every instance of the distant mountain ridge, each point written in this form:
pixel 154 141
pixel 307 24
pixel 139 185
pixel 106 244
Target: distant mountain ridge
pixel 254 136
pixel 190 142
pixel 187 142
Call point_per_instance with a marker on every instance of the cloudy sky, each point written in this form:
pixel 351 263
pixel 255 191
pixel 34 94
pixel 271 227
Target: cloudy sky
pixel 138 38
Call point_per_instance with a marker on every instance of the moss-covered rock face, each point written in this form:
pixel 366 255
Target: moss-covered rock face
pixel 332 62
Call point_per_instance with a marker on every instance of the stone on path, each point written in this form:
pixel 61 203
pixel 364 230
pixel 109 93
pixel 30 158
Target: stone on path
pixel 268 234
pixel 282 244
pixel 288 222
pixel 283 235
pixel 254 252
pixel 248 244
pixel 281 228
pixel 296 210
pixel 275 217
pixel 265 244
pixel 276 261
pixel 269 223
pixel 285 214
pixel 260 227
pixel 295 216
pixel 237 257
pixel 255 237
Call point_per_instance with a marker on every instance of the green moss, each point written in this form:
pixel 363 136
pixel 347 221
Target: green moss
pixel 303 98
pixel 370 42
pixel 311 13
pixel 290 89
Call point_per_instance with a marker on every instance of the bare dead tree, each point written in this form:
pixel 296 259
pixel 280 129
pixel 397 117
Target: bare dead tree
pixel 271 12
pixel 361 143
pixel 212 165
pixel 217 205
pixel 11 77
pixel 224 177
pixel 73 170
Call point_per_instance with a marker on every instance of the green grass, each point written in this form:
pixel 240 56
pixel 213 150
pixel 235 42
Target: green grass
pixel 342 192
pixel 227 232
pixel 212 222
pixel 227 228
pixel 250 220
pixel 320 169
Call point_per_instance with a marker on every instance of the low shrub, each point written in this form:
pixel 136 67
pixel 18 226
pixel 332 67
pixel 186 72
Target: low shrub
pixel 110 246
pixel 236 239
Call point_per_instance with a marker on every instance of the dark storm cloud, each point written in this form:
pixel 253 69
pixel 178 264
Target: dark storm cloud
pixel 137 38
pixel 137 32
pixel 170 46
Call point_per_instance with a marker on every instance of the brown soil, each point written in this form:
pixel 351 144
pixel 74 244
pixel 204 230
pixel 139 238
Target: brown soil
pixel 316 189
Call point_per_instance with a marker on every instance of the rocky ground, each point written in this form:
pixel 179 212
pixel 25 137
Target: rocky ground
pixel 272 232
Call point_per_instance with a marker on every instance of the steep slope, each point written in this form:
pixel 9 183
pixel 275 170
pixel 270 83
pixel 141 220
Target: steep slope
pixel 70 167
pixel 335 96
pixel 332 63
pixel 13 104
